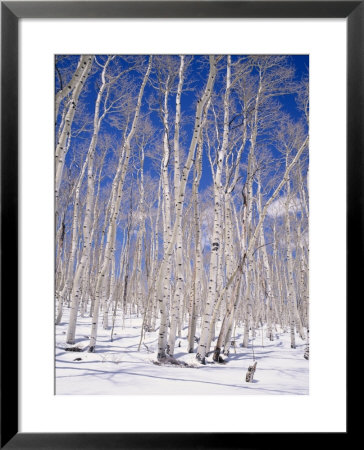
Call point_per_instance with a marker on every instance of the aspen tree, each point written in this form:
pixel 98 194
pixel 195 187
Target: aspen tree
pixel 74 88
pixel 87 239
pixel 72 254
pixel 165 294
pixel 116 192
pixel 216 237
pixel 178 296
pixel 77 78
pixel 196 288
pixel 200 111
pixel 267 270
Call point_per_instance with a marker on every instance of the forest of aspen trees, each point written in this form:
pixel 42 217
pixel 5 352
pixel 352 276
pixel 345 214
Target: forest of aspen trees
pixel 182 211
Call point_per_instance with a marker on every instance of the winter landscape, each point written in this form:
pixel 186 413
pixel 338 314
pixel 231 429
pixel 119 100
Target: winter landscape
pixel 182 210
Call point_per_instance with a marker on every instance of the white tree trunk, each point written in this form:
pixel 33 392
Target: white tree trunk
pixel 87 223
pixel 178 295
pixel 65 134
pixel 200 111
pixel 116 192
pixel 216 235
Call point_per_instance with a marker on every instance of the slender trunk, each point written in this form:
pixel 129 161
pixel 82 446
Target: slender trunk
pixel 65 134
pixel 195 297
pixel 200 111
pixel 79 77
pixel 117 188
pixel 87 223
pixel 217 230
pixel 178 295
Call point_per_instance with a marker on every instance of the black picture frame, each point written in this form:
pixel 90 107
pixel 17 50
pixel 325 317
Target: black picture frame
pixel 11 12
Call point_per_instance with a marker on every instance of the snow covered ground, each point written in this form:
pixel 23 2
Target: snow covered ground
pixel 118 368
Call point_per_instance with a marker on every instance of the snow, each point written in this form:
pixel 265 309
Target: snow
pixel 118 368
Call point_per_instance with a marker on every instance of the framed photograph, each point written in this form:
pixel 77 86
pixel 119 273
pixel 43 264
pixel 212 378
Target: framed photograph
pixel 177 273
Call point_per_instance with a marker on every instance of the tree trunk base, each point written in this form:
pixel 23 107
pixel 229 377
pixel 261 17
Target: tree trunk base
pixel 200 359
pixel 216 356
pixel 307 353
pixel 169 360
pixel 250 373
